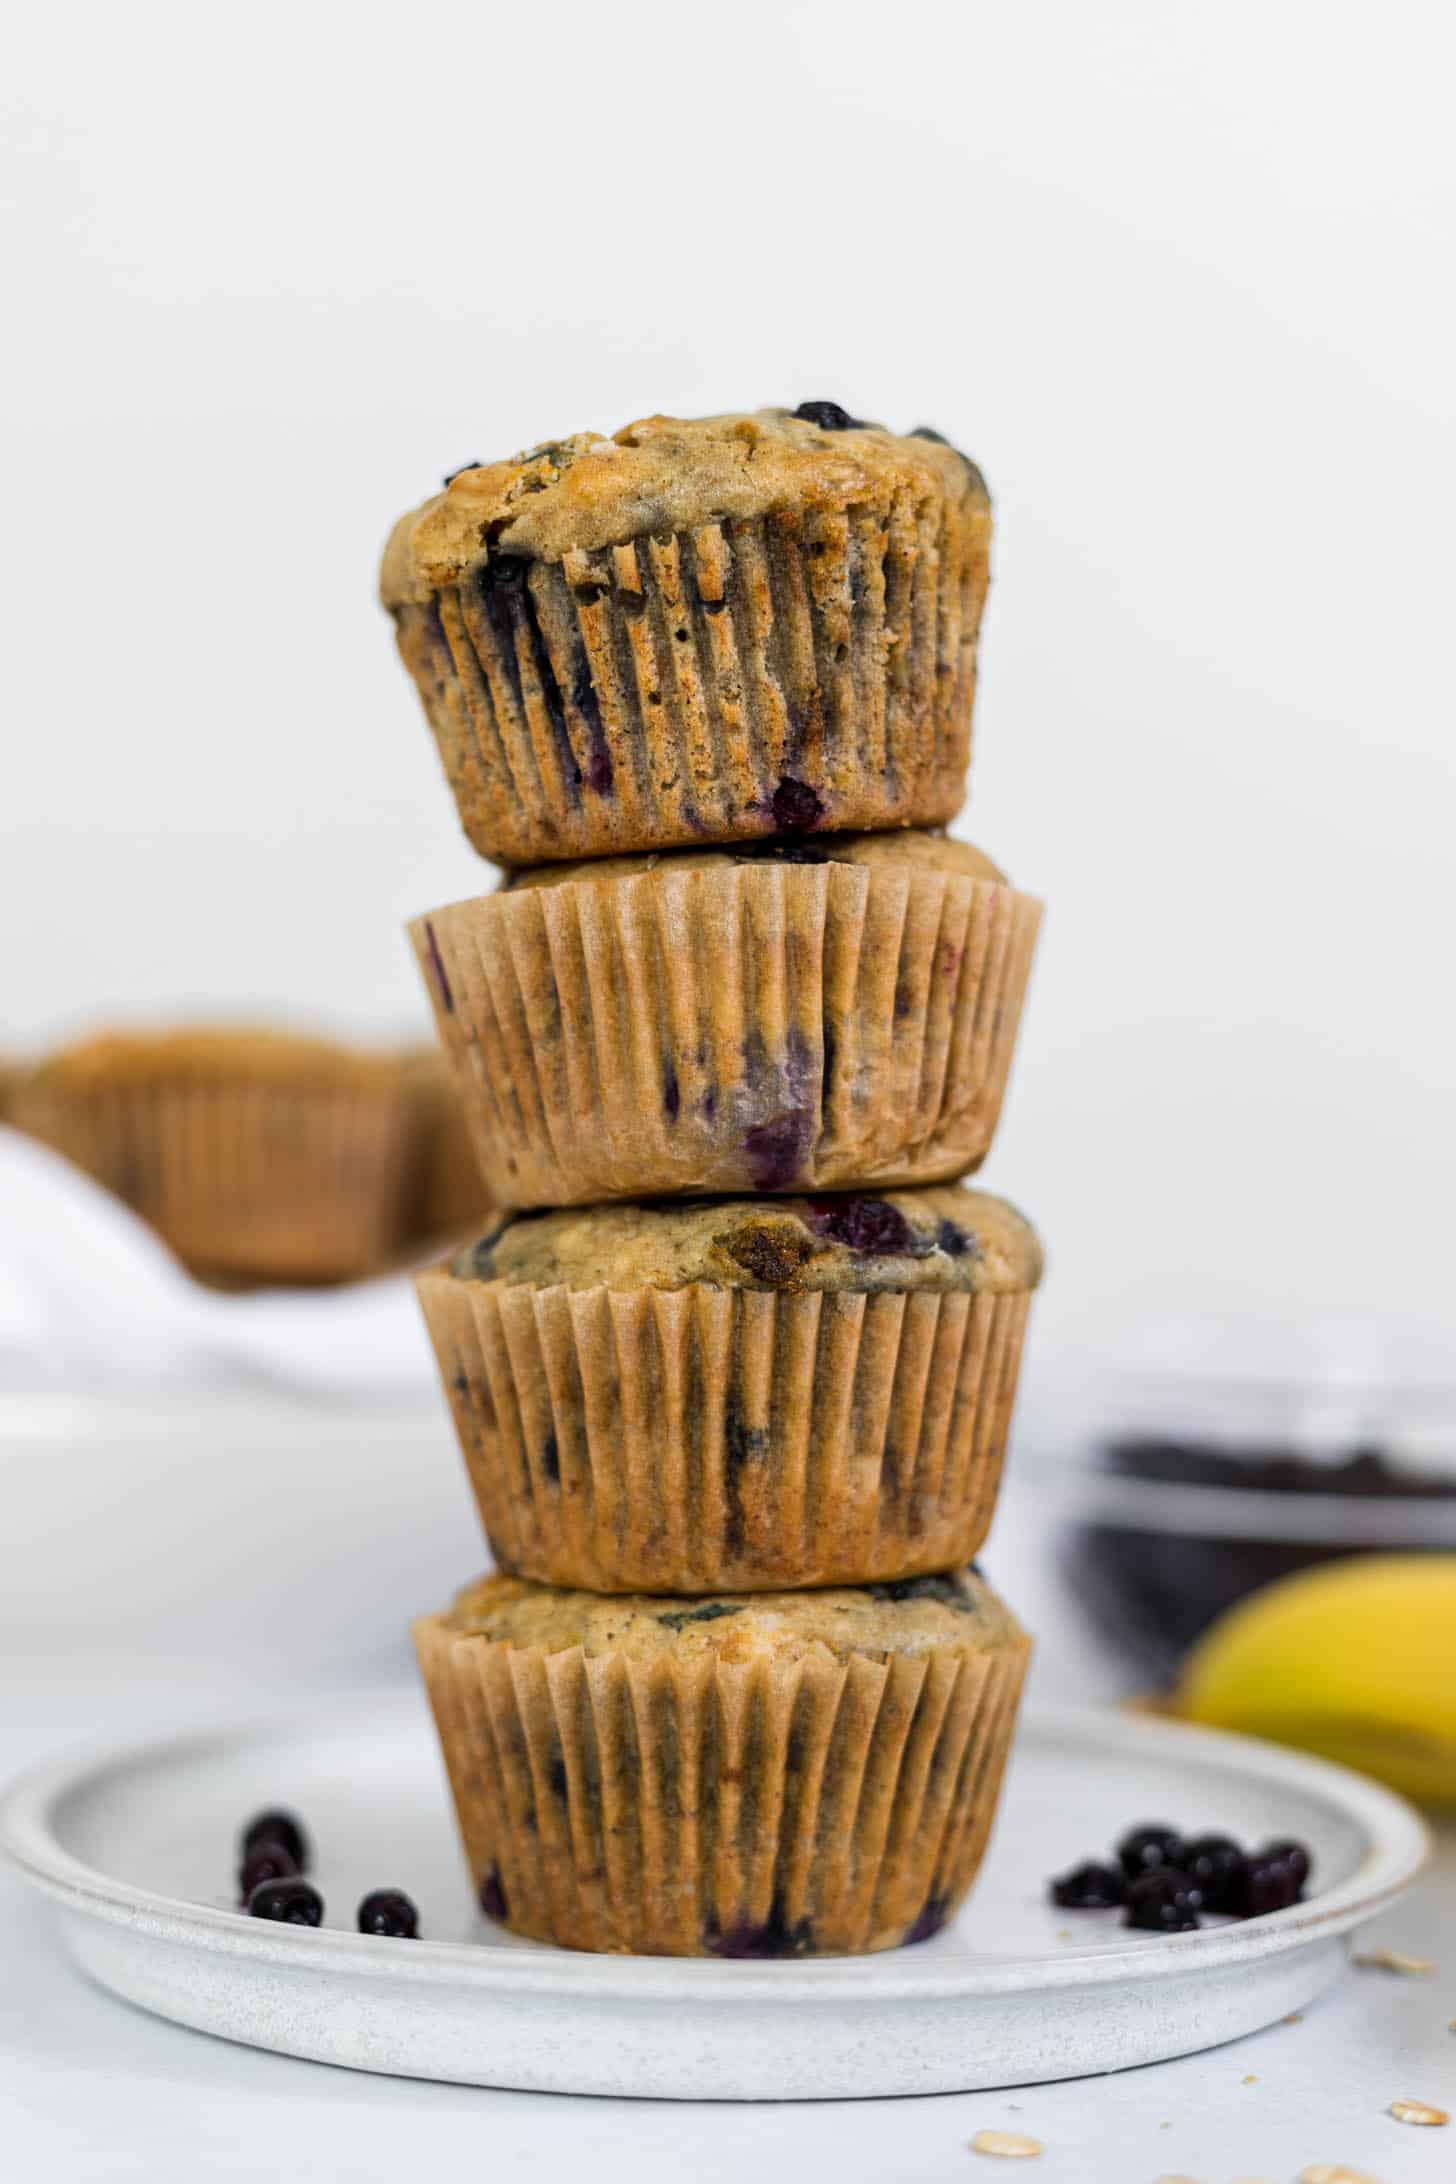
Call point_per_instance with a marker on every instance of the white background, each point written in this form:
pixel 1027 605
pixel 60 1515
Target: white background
pixel 1178 276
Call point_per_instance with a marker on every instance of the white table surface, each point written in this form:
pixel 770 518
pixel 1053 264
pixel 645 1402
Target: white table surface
pixel 94 2092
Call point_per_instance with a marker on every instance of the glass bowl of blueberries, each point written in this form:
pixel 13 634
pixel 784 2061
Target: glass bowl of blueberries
pixel 1200 1489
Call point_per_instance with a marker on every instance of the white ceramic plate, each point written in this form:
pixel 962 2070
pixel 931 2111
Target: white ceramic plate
pixel 137 1850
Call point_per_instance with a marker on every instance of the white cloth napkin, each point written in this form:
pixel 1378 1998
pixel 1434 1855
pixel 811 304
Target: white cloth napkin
pixel 90 1299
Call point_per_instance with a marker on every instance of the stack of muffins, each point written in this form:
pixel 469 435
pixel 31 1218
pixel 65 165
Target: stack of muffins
pixel 733 1377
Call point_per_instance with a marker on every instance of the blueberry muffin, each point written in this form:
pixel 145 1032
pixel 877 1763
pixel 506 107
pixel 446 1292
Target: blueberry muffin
pixel 772 1017
pixel 257 1155
pixel 740 1393
pixel 700 630
pixel 780 1774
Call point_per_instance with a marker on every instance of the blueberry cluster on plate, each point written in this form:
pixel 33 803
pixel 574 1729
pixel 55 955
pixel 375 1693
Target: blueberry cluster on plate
pixel 1163 1880
pixel 273 1857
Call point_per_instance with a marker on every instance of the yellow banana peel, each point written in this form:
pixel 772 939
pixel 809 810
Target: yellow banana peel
pixel 1355 1660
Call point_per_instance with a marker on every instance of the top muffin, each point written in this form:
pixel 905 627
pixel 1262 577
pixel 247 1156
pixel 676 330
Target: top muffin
pixel 697 631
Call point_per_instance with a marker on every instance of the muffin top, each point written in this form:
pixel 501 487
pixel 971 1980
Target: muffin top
pixel 663 474
pixel 911 849
pixel 945 1237
pixel 912 1615
pixel 211 1052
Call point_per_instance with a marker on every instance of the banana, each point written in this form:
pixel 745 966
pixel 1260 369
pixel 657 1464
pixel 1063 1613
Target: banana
pixel 1355 1660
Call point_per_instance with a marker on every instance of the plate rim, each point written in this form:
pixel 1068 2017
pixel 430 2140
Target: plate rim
pixel 1397 1838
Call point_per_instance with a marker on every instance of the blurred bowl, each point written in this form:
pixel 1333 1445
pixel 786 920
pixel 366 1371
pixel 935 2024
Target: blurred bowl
pixel 304 1533
pixel 1197 1492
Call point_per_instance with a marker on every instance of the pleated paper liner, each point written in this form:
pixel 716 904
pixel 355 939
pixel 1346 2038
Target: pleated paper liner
pixel 695 1807
pixel 752 676
pixel 245 1182
pixel 721 1028
pixel 702 1439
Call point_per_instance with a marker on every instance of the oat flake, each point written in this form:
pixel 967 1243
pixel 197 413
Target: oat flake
pixel 1010 2145
pixel 1396 1960
pixel 1333 2172
pixel 1418 2112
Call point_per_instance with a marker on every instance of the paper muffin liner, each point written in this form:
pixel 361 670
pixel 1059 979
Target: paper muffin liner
pixel 704 1440
pixel 673 1807
pixel 241 1180
pixel 798 669
pixel 727 1028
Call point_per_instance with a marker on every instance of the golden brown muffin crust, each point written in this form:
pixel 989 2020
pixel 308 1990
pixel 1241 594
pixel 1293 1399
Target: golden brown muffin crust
pixel 943 1238
pixel 659 474
pixel 912 1616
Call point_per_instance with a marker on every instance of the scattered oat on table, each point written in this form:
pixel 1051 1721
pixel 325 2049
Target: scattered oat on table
pixel 1333 2172
pixel 1010 2145
pixel 1250 2077
pixel 1295 2017
pixel 1396 1960
pixel 1418 2112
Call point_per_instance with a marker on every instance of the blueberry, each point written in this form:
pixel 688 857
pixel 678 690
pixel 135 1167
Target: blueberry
pixel 1141 1849
pixel 1290 1853
pixel 770 1937
pixel 493 1901
pixel 828 416
pixel 870 1227
pixel 1271 1881
pixel 932 1916
pixel 389 1911
pixel 1090 1887
pixel 776 1150
pixel 599 772
pixel 266 1861
pixel 1163 1901
pixel 955 1241
pixel 795 806
pixel 292 1902
pixel 1216 1863
pixel 280 1827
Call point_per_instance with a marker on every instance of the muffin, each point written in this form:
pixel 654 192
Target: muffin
pixel 786 1774
pixel 775 1017
pixel 699 630
pixel 256 1155
pixel 737 1393
pixel 449 1198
